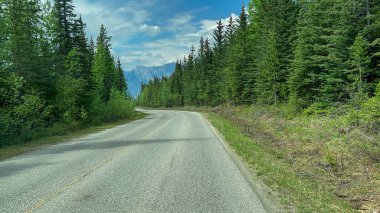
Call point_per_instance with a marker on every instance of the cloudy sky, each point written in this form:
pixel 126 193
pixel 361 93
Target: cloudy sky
pixel 154 32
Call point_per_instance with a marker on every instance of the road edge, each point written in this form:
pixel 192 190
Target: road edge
pixel 20 149
pixel 257 186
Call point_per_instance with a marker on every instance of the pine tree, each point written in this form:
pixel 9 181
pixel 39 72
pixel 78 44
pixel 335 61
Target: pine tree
pixel 176 85
pixel 229 83
pixel 230 30
pixel 321 54
pixel 92 50
pixel 81 44
pixel 244 57
pixel 239 58
pixel 71 88
pixel 65 21
pixel 217 78
pixel 200 69
pixel 21 47
pixel 267 86
pixel 122 83
pixel 359 62
pixel 371 33
pixel 272 29
pixel 219 37
pixel 3 36
pixel 208 74
pixel 190 80
pixel 103 69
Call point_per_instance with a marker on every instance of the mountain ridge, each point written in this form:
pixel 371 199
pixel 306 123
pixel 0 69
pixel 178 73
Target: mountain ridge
pixel 143 74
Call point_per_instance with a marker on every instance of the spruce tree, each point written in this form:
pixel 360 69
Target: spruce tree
pixel 242 66
pixel 104 72
pixel 371 33
pixel 321 53
pixel 358 71
pixel 272 31
pixel 71 88
pixel 65 22
pixel 230 30
pixel 122 83
pixel 21 47
pixel 3 36
pixel 267 85
pixel 81 45
pixel 217 77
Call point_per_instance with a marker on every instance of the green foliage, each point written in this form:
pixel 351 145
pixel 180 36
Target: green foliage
pixel 281 52
pixel 51 79
pixel 371 112
pixel 318 108
pixel 359 70
pixel 103 69
pixel 23 120
pixel 119 106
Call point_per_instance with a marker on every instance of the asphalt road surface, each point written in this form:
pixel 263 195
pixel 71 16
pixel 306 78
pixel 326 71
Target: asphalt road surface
pixel 168 162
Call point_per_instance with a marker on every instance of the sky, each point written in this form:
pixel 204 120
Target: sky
pixel 154 32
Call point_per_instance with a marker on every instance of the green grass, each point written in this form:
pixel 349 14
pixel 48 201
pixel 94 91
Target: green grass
pixel 11 151
pixel 295 192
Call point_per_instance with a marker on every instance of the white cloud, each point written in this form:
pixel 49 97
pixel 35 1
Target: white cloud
pixel 150 30
pixel 208 26
pixel 133 20
pixel 121 23
pixel 167 50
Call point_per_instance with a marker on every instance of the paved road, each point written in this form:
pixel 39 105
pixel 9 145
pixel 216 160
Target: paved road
pixel 168 162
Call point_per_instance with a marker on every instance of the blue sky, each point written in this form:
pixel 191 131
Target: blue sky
pixel 154 32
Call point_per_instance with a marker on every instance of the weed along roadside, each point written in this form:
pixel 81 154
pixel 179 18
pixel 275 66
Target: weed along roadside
pixel 14 150
pixel 309 162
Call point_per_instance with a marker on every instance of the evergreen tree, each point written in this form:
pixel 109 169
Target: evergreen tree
pixel 3 36
pixel 372 34
pixel 103 69
pixel 64 24
pixel 217 77
pixel 92 50
pixel 321 54
pixel 208 74
pixel 229 82
pixel 360 61
pixel 244 56
pixel 273 28
pixel 122 84
pixel 176 85
pixel 190 77
pixel 21 20
pixel 45 78
pixel 230 30
pixel 82 47
pixel 267 86
pixel 71 88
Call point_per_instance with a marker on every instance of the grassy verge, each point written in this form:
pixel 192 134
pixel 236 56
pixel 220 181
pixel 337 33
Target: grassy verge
pixel 297 189
pixel 11 151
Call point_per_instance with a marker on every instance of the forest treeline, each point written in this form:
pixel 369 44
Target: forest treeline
pixel 304 56
pixel 52 78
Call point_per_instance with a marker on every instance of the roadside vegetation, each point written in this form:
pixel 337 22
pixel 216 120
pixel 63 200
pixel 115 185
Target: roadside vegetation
pixel 302 81
pixel 318 163
pixel 53 79
pixel 63 135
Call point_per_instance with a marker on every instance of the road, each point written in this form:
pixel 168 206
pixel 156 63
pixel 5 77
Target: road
pixel 170 161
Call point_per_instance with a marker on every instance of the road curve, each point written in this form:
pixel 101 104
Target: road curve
pixel 170 161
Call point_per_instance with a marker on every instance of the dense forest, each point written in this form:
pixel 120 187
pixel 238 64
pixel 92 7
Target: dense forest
pixel 300 56
pixel 52 78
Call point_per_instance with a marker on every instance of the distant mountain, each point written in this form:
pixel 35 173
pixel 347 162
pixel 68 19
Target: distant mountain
pixel 143 74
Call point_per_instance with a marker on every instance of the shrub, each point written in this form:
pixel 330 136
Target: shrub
pixel 371 112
